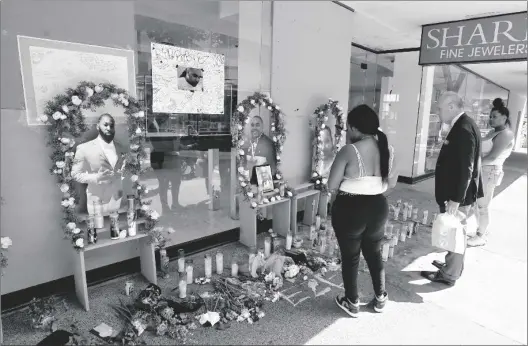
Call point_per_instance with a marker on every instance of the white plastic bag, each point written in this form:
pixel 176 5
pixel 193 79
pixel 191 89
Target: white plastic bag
pixel 448 233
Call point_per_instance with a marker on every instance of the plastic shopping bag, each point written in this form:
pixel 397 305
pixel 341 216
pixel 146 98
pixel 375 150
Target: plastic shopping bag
pixel 448 233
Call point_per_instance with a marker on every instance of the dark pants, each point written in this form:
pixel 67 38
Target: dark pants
pixel 454 262
pixel 358 223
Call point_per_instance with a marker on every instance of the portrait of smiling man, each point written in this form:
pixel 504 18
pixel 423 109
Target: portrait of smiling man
pixel 99 164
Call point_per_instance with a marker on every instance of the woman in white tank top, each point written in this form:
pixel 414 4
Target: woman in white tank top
pixel 496 148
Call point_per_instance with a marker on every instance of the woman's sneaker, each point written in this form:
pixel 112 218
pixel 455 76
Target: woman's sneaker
pixel 378 303
pixel 347 306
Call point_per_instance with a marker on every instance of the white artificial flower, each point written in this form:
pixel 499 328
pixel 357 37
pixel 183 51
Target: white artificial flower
pixel 246 121
pixel 269 107
pixel 64 188
pixel 65 109
pixel 134 147
pixel 76 231
pixel 145 207
pixel 138 131
pixel 60 164
pixel 241 178
pixel 272 199
pixel 65 203
pixel 270 100
pixel 325 118
pixel 241 152
pixel 240 169
pixel 243 184
pixel 121 96
pixel 252 101
pixel 134 178
pixel 281 147
pixel 253 204
pixel 71 225
pixel 241 142
pixel 65 140
pixel 79 242
pixel 63 117
pixel 43 118
pixel 278 157
pixel 114 96
pixel 323 126
pixel 321 112
pixel 59 171
pixel 240 109
pixel 278 176
pixel 250 194
pixel 56 115
pixel 89 91
pixel 325 181
pixel 339 107
pixel 6 242
pixel 290 193
pixel 125 102
pixel 146 190
pixel 140 114
pixel 240 128
pixel 139 187
pixel 314 174
pixel 99 88
pixel 318 182
pixel 154 215
pixel 76 100
pixel 265 200
pixel 277 108
pixel 331 100
pixel 274 138
pixel 273 128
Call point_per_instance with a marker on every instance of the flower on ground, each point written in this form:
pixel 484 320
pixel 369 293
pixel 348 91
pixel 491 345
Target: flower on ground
pixel 79 242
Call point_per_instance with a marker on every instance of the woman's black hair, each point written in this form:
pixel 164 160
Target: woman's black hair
pixel 499 106
pixel 366 121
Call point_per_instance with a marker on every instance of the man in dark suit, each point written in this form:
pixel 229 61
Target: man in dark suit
pixel 457 178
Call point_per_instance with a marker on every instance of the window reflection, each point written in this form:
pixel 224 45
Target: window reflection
pixel 478 95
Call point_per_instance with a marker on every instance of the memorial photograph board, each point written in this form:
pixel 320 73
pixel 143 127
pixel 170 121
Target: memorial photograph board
pixel 187 80
pixel 49 67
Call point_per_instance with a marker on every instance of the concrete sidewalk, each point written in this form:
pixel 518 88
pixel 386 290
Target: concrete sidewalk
pixel 487 305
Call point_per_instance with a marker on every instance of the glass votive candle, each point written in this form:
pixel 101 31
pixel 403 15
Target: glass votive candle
pixel 189 271
pixel 234 268
pixel 219 263
pixel 182 285
pixel 181 261
pixel 208 264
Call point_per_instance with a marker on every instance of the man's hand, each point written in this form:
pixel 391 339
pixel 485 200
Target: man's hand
pixel 451 207
pixel 104 176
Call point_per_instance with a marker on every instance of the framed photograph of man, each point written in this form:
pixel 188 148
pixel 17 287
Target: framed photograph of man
pixel 264 178
pixel 258 146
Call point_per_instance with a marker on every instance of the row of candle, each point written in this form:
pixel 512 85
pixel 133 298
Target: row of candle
pixel 409 213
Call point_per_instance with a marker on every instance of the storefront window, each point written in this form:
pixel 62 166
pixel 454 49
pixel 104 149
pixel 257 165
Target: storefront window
pixel 478 95
pixel 190 189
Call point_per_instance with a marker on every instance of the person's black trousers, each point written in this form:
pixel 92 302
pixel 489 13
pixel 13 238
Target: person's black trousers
pixel 359 223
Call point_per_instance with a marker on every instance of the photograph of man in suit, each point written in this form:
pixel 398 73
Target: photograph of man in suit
pixel 458 181
pixel 261 150
pixel 99 163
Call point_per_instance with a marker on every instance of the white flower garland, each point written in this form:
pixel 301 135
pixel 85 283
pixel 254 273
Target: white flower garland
pixel 66 120
pixel 278 135
pixel 321 119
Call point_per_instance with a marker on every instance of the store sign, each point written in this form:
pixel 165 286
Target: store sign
pixel 497 38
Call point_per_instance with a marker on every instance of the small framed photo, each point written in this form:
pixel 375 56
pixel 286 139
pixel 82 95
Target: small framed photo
pixel 264 177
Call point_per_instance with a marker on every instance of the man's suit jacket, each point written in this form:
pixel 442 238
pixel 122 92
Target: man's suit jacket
pixel 89 158
pixel 458 168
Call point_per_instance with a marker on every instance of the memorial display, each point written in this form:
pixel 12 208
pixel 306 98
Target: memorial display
pixel 200 80
pixel 64 115
pixel 326 142
pixel 261 149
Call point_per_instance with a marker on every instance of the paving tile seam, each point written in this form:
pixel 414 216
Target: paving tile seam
pixel 503 255
pixel 458 314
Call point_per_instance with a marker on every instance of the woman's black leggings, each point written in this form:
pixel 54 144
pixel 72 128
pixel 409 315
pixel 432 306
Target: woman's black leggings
pixel 358 222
